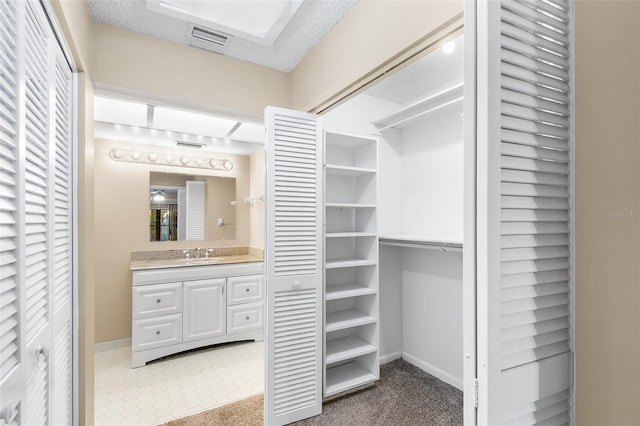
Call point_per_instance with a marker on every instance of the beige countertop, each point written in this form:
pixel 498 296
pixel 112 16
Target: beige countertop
pixel 138 265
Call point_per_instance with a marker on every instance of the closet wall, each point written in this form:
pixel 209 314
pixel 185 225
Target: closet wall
pixel 420 195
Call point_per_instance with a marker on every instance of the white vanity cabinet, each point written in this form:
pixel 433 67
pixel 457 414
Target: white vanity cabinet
pixel 178 309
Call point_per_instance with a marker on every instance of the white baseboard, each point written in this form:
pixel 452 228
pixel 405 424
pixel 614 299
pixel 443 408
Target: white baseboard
pixel 384 359
pixel 434 371
pixel 114 344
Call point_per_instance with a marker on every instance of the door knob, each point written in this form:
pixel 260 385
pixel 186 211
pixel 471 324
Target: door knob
pixel 10 412
pixel 41 357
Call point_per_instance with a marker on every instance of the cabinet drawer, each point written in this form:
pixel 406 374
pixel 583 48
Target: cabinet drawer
pixel 159 299
pixel 245 317
pixel 245 289
pixel 154 332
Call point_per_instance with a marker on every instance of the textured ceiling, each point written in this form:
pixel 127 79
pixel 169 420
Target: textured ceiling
pixel 427 75
pixel 311 22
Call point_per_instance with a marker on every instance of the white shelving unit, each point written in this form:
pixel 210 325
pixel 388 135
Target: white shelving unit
pixel 351 327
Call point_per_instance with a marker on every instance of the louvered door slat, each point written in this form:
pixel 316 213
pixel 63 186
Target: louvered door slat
pixel 294 268
pixel 525 209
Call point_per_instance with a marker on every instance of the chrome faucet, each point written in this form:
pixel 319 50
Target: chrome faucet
pixel 197 252
pixel 207 252
pixel 186 253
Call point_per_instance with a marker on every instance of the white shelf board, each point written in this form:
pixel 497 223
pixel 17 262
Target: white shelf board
pixel 418 110
pixel 347 348
pixel 347 376
pixel 336 170
pixel 350 206
pixel 347 319
pixel 342 291
pixel 421 241
pixel 349 234
pixel 346 140
pixel 347 263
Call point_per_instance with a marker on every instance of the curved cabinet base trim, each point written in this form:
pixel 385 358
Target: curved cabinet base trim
pixel 140 358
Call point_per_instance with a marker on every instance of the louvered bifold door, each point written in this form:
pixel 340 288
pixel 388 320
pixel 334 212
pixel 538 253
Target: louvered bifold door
pixel 38 95
pixel 12 359
pixel 61 246
pixel 525 214
pixel 294 267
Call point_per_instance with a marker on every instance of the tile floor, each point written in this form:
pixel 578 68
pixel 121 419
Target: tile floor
pixel 174 387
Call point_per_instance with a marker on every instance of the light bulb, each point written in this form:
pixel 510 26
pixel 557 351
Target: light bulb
pixel 449 47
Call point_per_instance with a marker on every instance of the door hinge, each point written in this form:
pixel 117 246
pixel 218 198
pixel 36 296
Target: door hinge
pixel 475 393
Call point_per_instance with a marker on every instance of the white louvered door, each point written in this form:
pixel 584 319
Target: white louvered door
pixel 195 198
pixel 294 266
pixel 525 214
pixel 61 248
pixel 12 359
pixel 36 228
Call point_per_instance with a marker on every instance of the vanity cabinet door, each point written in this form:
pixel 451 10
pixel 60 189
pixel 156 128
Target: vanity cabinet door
pixel 204 309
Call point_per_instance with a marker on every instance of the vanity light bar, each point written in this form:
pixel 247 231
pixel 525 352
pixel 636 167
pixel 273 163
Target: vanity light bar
pixel 146 157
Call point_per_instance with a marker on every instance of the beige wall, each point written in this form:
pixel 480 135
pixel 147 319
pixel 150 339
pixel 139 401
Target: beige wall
pixel 137 63
pixel 366 39
pixel 74 20
pixel 122 225
pixel 608 185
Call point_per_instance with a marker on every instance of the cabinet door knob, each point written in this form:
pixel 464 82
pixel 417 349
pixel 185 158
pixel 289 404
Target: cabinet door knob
pixel 248 318
pixel 158 300
pixel 296 284
pixel 158 333
pixel 247 290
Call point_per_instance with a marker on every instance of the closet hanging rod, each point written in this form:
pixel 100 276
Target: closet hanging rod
pixel 413 242
pixel 421 108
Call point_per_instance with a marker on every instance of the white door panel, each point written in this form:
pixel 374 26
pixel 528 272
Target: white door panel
pixel 294 266
pixel 524 211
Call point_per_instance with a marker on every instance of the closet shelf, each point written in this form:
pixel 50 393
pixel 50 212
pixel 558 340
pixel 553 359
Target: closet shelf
pixel 346 319
pixel 418 110
pixel 347 263
pixel 349 234
pixel 344 291
pixel 422 242
pixel 347 376
pixel 350 206
pixel 347 348
pixel 337 170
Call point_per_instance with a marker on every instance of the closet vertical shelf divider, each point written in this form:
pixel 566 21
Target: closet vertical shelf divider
pixel 351 327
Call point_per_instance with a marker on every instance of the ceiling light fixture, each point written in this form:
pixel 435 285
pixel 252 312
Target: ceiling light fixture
pixel 449 47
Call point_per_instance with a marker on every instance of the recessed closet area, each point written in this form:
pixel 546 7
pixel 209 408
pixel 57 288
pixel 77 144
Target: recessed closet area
pixel 408 192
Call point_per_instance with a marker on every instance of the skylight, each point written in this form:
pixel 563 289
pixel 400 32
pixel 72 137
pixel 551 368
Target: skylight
pixel 120 112
pixel 190 122
pixel 260 21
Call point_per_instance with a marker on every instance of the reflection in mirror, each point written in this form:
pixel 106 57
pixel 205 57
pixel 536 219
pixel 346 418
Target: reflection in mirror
pixel 190 207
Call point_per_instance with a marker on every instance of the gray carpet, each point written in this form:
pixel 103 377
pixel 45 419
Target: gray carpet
pixel 404 395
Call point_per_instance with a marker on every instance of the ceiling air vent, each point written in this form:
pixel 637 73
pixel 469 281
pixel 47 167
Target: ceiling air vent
pixel 208 39
pixel 188 144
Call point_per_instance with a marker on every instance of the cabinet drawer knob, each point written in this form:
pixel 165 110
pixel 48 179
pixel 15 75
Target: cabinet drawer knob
pixel 158 300
pixel 248 318
pixel 158 333
pixel 247 290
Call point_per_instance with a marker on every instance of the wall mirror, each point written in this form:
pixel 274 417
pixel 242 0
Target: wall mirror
pixel 191 207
